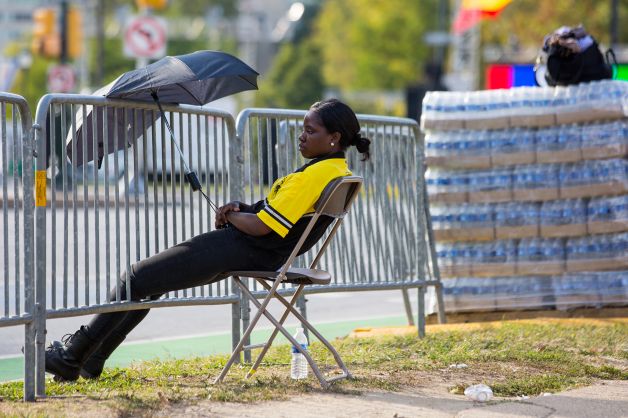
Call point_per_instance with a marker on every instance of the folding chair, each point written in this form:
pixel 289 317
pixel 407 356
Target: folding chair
pixel 334 201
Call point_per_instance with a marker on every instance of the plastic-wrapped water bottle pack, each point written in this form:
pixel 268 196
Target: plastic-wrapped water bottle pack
pixel 524 106
pixel 528 189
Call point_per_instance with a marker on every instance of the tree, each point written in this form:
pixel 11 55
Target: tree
pixel 374 44
pixel 295 79
pixel 531 20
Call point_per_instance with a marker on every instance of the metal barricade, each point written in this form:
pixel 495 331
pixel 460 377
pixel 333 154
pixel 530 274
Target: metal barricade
pixel 111 191
pixel 16 226
pixel 386 241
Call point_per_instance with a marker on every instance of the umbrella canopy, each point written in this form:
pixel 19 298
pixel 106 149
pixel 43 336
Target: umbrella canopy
pixel 196 79
pixel 128 125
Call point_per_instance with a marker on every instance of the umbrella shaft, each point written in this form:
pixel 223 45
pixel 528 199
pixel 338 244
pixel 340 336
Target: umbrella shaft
pixel 172 137
pixel 189 174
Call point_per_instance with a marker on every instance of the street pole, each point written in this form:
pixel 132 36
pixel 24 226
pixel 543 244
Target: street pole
pixel 443 20
pixel 100 36
pixel 63 57
pixel 614 23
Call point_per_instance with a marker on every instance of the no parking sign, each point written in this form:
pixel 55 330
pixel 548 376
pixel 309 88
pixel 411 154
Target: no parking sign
pixel 145 37
pixel 61 79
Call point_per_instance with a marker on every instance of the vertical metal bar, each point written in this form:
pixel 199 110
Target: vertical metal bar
pixel 183 143
pixel 84 139
pixel 127 217
pixel 145 174
pixel 105 136
pixel 302 305
pixel 190 140
pixel 406 304
pixel 235 141
pixel 53 197
pixel 421 312
pixel 65 208
pixel 235 319
pixel 137 172
pixel 173 184
pixel 40 265
pixel 190 191
pixel 245 313
pixel 97 160
pixel 200 167
pixel 17 157
pixel 248 153
pixel 5 207
pixel 217 184
pixel 164 181
pixel 204 206
pixel 75 249
pixel 155 177
pixel 29 242
pixel 223 176
pixel 116 197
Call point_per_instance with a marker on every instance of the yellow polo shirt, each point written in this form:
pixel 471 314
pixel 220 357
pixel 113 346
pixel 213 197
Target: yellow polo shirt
pixel 294 195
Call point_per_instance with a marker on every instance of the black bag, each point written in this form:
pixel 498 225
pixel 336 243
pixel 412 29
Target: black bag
pixel 572 56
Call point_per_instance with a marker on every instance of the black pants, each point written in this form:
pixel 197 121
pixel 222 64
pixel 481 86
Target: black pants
pixel 195 262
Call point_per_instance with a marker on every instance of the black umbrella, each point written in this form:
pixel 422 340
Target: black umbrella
pixel 196 79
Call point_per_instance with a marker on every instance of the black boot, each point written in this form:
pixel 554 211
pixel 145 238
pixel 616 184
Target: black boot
pixel 64 359
pixel 94 365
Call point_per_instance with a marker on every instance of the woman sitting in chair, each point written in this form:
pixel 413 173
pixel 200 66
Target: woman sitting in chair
pixel 248 237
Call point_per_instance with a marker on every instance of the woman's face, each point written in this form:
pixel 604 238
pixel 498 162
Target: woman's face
pixel 315 140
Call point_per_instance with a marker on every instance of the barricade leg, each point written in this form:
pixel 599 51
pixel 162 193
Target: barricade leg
pixel 406 304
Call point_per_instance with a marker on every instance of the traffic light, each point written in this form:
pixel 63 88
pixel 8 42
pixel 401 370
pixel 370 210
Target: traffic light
pixel 152 4
pixel 46 40
pixel 74 33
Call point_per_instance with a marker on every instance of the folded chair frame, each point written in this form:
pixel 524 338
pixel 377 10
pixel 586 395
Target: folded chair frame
pixel 335 201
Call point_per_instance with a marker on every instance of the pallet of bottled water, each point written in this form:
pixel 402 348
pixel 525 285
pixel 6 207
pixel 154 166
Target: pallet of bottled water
pixel 524 106
pixel 562 292
pixel 494 149
pixel 528 192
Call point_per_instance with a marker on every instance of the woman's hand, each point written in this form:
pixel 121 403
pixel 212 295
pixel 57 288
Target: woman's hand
pixel 221 215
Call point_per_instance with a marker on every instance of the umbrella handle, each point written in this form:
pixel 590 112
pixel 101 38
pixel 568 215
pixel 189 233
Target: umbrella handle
pixel 193 180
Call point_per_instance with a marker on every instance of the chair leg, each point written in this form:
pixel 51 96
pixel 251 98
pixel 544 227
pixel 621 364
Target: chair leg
pixel 322 339
pixel 324 383
pixel 236 352
pixel 304 321
pixel 270 340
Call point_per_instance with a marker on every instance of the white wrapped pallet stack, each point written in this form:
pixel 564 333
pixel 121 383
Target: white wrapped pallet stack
pixel 528 191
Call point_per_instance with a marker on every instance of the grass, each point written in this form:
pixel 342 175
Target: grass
pixel 514 358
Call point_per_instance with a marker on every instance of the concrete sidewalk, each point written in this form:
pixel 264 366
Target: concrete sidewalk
pixel 608 399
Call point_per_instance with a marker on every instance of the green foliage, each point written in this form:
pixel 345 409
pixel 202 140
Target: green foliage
pixel 530 20
pixel 32 83
pixel 295 79
pixel 373 44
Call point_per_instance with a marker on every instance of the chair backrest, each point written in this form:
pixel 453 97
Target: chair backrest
pixel 335 201
pixel 338 196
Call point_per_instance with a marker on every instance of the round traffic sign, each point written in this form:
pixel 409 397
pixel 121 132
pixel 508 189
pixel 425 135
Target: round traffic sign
pixel 145 37
pixel 61 78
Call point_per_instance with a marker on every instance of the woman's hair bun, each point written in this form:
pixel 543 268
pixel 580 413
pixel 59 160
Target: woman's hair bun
pixel 362 144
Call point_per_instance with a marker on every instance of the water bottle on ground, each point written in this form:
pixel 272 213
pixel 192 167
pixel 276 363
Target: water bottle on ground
pixel 299 365
pixel 480 393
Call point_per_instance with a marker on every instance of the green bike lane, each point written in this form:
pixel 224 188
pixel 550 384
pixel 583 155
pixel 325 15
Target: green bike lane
pixel 12 368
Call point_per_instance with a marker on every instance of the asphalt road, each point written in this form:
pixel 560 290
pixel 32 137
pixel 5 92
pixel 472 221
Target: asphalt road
pixel 201 320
